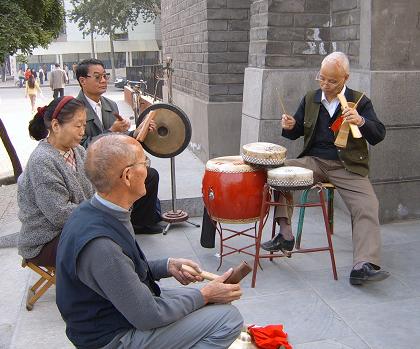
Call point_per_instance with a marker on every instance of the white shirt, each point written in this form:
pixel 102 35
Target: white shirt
pixel 331 106
pixel 97 107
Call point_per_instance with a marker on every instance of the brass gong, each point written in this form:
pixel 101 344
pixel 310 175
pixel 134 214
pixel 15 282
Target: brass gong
pixel 173 132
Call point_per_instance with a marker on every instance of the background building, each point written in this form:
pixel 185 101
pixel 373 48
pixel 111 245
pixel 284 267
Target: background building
pixel 139 46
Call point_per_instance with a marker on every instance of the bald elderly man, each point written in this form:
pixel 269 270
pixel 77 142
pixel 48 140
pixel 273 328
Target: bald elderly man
pixel 106 289
pixel 346 168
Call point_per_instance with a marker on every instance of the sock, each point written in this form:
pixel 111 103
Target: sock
pixel 285 229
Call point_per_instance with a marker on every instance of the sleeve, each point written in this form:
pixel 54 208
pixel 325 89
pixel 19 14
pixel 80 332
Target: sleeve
pixel 52 196
pixel 299 116
pixel 373 129
pixel 103 267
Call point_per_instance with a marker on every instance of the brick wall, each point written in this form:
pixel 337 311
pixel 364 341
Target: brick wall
pixel 289 33
pixel 208 41
pixel 345 30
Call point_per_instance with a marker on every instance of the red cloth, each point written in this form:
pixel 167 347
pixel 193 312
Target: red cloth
pixel 337 123
pixel 269 337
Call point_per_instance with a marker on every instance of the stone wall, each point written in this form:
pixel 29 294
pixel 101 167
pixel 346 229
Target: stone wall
pixel 345 28
pixel 289 34
pixel 209 49
pixel 209 42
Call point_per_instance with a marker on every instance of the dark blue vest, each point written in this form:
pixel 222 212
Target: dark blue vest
pixel 91 320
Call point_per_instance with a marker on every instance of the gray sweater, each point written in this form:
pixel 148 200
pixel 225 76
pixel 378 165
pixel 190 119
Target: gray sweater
pixel 48 191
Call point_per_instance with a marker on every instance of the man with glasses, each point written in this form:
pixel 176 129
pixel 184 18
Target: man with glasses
pixel 346 168
pixel 106 288
pixel 101 118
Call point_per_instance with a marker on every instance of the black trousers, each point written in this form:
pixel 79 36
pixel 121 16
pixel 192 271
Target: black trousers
pixel 58 91
pixel 144 209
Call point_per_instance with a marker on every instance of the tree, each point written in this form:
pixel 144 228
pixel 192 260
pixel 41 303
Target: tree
pixel 106 17
pixel 26 24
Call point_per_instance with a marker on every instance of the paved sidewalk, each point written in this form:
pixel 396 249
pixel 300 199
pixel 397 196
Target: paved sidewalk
pixel 299 292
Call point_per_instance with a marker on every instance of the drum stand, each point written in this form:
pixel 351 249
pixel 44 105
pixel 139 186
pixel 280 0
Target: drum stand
pixel 173 216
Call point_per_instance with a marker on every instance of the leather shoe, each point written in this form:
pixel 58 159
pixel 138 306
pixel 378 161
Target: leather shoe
pixel 278 243
pixel 367 274
pixel 148 229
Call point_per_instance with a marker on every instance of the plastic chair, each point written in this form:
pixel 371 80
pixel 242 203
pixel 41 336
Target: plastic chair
pixel 330 209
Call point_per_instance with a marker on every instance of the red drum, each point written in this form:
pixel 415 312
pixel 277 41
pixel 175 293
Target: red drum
pixel 232 190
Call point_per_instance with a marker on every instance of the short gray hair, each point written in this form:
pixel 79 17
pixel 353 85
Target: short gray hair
pixel 340 58
pixel 106 159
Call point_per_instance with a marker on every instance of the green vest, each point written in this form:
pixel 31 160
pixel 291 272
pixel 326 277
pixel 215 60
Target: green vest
pixel 355 157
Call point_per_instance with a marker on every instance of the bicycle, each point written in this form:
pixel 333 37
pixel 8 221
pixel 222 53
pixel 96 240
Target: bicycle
pixel 139 89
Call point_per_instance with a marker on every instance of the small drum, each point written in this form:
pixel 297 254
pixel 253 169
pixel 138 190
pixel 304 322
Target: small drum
pixel 290 177
pixel 232 190
pixel 264 154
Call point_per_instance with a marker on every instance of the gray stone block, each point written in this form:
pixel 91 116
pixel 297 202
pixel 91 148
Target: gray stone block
pixel 227 14
pixel 227 36
pixel 239 25
pixel 217 24
pixel 216 4
pixel 279 34
pixel 238 46
pixel 318 34
pixel 236 68
pixel 228 57
pixel 286 6
pixel 239 4
pixel 345 33
pixel 342 5
pixel 317 6
pixel 280 19
pixel 312 20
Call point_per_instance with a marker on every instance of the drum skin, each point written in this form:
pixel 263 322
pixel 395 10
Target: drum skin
pixel 234 196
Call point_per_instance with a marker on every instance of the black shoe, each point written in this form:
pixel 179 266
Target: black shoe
pixel 148 229
pixel 367 274
pixel 278 243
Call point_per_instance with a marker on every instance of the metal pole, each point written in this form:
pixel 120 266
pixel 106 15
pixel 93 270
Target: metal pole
pixel 173 182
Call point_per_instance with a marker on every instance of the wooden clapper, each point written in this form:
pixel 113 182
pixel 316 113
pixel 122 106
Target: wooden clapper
pixel 343 133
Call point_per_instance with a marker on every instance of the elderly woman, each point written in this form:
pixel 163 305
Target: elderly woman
pixel 53 182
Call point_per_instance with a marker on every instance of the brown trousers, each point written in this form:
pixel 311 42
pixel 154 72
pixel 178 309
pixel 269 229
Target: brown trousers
pixel 46 257
pixel 359 197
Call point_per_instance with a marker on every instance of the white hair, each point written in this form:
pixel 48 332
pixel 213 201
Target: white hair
pixel 106 158
pixel 339 58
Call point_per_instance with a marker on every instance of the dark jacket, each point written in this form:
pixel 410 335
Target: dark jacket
pixel 94 127
pixel 354 157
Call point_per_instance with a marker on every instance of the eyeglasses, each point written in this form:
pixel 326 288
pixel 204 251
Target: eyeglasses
pixel 146 163
pixel 323 81
pixel 98 77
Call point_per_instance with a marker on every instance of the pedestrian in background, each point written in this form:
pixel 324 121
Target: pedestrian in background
pixel 44 68
pixel 21 77
pixel 32 89
pixel 58 80
pixel 41 75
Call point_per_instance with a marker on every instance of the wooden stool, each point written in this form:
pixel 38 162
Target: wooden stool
pixel 267 201
pixel 46 280
pixel 330 208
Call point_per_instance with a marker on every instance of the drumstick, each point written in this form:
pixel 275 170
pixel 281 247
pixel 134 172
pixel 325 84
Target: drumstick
pixel 145 127
pixel 355 106
pixel 204 274
pixel 281 102
pixel 117 116
pixel 238 273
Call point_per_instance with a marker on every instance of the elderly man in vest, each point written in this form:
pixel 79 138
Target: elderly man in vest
pixel 346 168
pixel 106 289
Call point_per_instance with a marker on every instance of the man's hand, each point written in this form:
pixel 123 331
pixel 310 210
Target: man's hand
pixel 287 122
pixel 184 277
pixel 120 126
pixel 152 127
pixel 218 292
pixel 353 117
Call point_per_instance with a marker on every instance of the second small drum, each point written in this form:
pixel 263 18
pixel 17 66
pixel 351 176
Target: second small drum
pixel 232 190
